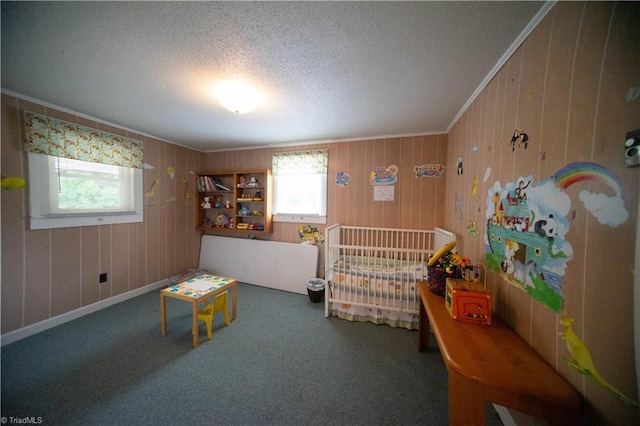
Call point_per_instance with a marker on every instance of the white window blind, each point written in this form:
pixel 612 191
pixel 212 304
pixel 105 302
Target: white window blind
pixel 66 192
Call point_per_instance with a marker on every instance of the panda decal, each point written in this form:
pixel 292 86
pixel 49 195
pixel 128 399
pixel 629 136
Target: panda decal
pixel 546 226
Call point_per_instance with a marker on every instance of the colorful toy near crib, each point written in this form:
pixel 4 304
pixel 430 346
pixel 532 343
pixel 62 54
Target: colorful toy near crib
pixel 467 298
pixel 443 264
pixel 468 301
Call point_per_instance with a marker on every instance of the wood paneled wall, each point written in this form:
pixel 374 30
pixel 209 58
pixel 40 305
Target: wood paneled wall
pixel 46 273
pixel 418 202
pixel 566 87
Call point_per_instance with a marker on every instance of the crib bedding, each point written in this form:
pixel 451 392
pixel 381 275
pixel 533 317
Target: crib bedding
pixel 396 319
pixel 362 288
pixel 366 281
pixel 381 267
pixel 378 276
pixel 373 285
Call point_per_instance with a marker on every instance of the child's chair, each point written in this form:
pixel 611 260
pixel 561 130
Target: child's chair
pixel 207 313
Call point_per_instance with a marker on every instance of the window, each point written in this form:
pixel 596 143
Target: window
pixel 65 192
pixel 79 176
pixel 300 186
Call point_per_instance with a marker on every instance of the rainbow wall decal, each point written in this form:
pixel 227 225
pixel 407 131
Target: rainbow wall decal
pixel 583 171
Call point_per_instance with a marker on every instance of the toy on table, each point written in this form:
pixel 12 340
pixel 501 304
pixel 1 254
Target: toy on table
pixel 218 201
pixel 433 260
pixel 243 182
pixel 455 265
pixel 459 262
pixel 445 264
pixel 253 182
pixel 452 263
pixel 468 300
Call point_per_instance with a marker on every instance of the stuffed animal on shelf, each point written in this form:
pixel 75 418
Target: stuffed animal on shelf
pixel 222 220
pixel 244 210
pixel 206 203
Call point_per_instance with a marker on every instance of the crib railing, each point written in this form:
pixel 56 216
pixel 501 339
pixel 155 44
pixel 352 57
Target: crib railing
pixel 373 249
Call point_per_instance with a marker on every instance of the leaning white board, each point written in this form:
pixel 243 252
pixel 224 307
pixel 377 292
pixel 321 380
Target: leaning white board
pixel 274 264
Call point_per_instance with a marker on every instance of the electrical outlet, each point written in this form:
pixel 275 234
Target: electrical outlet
pixel 103 277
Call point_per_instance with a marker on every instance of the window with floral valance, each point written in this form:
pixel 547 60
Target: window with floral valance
pixel 300 185
pixel 79 176
pixel 59 138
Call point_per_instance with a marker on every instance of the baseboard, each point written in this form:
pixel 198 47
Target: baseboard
pixel 32 329
pixel 505 416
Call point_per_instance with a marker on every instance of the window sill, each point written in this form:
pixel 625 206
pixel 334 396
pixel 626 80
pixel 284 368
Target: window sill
pixel 72 222
pixel 297 218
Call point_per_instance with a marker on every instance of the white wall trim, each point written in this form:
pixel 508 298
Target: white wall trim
pixel 32 329
pixel 514 46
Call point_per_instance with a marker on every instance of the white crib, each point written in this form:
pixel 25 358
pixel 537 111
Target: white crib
pixel 372 273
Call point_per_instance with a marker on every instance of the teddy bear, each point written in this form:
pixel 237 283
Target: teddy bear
pixel 244 210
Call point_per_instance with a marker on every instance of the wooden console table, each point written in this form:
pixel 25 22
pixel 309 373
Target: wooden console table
pixel 492 364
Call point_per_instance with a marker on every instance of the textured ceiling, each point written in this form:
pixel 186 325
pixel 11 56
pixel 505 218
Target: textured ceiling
pixel 329 70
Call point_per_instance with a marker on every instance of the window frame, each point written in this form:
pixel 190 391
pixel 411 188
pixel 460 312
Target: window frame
pixel 306 217
pixel 40 216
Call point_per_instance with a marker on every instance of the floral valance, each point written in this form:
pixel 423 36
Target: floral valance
pixel 59 138
pixel 300 162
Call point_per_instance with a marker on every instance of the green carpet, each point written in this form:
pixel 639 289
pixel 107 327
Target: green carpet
pixel 281 362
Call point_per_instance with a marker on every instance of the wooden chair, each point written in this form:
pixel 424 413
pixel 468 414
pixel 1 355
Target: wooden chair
pixel 207 313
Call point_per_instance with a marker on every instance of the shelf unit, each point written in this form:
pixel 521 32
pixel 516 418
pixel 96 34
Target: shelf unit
pixel 235 201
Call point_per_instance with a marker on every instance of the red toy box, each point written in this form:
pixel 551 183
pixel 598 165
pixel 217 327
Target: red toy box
pixel 468 301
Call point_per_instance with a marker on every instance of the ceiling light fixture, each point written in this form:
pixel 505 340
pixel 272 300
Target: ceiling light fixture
pixel 238 97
